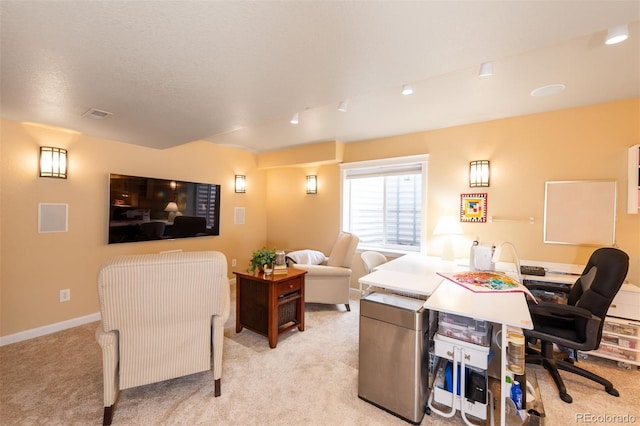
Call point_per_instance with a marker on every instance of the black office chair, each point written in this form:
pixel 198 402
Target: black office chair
pixel 578 324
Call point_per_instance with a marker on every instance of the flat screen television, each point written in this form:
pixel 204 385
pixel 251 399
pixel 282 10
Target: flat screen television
pixel 145 209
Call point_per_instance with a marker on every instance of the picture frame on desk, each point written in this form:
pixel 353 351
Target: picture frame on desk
pixel 473 208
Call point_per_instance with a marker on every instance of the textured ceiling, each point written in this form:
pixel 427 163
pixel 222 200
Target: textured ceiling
pixel 235 72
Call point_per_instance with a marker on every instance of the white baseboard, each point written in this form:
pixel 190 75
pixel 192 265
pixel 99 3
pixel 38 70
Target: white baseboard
pixel 48 329
pixel 59 326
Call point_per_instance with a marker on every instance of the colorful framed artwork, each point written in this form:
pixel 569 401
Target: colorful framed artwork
pixel 473 208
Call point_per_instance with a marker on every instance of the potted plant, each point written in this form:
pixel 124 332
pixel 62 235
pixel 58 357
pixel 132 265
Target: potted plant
pixel 262 257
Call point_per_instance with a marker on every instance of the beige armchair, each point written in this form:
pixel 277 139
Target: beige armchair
pixel 371 260
pixel 330 281
pixel 163 316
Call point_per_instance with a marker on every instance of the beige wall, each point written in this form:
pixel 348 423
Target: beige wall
pixel 581 143
pixel 300 220
pixel 34 267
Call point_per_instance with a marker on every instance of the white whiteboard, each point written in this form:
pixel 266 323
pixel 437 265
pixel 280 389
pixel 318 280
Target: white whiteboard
pixel 580 212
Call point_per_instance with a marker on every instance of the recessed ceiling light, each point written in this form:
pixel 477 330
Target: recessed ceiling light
pixel 550 89
pixel 343 106
pixel 486 69
pixel 96 114
pixel 295 119
pixel 617 34
pixel 407 89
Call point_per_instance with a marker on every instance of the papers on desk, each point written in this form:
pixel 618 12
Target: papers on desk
pixel 486 282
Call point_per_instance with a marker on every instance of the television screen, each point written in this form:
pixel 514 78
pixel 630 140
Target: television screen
pixel 144 209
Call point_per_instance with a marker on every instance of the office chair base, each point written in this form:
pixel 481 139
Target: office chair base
pixel 547 359
pixel 566 398
pixel 613 392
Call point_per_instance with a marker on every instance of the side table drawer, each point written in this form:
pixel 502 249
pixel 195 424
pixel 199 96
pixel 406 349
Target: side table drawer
pixel 288 287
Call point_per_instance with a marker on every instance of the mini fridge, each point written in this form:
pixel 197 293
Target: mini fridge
pixel 394 354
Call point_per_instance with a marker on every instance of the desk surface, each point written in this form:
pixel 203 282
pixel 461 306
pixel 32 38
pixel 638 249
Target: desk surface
pixel 508 308
pixel 416 273
pixel 412 273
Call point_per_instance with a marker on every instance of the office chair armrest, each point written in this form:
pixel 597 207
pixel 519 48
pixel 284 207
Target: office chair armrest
pixel 565 317
pixel 560 311
pixel 547 286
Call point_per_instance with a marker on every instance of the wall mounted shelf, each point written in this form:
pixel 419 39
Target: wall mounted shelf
pixel 529 220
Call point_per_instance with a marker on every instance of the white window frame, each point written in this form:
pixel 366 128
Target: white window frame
pixel 422 161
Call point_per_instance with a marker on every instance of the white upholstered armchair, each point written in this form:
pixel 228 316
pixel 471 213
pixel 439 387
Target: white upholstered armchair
pixel 163 316
pixel 330 281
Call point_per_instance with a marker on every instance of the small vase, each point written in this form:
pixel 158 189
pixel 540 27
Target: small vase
pixel 268 269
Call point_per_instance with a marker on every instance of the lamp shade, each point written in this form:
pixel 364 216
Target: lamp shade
pixel 171 207
pixel 448 225
pixel 53 162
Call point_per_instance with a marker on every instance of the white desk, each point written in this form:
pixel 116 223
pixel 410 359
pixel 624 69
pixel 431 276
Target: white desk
pixel 416 273
pixel 411 273
pixel 507 309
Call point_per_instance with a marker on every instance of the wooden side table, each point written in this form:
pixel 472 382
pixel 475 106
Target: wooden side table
pixel 270 305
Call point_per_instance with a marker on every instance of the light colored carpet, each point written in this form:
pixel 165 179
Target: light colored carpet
pixel 311 378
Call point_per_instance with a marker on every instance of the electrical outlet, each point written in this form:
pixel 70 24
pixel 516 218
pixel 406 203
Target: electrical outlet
pixel 234 262
pixel 65 295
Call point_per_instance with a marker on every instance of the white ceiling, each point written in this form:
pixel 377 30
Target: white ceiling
pixel 235 72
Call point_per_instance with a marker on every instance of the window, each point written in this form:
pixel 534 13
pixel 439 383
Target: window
pixel 207 202
pixel 383 203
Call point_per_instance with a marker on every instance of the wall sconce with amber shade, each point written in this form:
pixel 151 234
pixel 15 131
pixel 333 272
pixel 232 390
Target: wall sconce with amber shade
pixel 240 184
pixel 312 184
pixel 53 162
pixel 479 173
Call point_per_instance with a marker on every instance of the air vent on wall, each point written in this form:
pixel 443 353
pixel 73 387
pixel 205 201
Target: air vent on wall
pixel 96 114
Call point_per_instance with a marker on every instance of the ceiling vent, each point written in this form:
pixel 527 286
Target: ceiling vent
pixel 96 114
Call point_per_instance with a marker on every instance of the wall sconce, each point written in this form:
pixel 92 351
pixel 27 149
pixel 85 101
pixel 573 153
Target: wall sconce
pixel 479 173
pixel 53 162
pixel 240 184
pixel 312 184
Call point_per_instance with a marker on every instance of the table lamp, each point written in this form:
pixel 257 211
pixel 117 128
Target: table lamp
pixel 172 208
pixel 448 226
